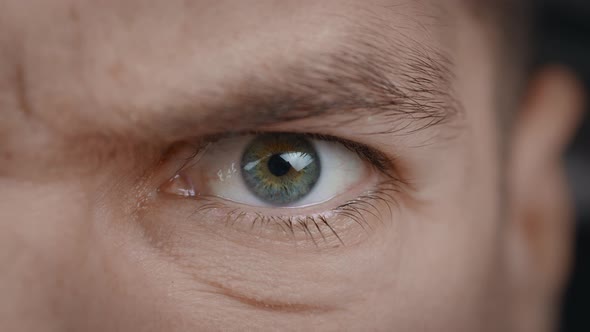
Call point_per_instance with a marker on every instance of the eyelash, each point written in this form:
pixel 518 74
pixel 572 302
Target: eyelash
pixel 354 210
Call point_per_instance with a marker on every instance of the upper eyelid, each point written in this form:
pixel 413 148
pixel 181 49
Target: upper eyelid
pixel 378 159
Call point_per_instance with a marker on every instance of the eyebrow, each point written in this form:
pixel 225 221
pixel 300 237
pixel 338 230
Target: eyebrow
pixel 356 82
pixel 376 72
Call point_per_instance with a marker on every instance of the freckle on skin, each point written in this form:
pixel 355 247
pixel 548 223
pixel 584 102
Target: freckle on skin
pixel 7 155
pixel 116 71
pixel 73 14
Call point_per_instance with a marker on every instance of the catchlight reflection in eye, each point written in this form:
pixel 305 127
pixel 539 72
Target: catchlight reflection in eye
pixel 272 170
pixel 280 169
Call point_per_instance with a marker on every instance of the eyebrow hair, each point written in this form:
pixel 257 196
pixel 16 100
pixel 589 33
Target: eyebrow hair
pixel 357 81
pixel 378 71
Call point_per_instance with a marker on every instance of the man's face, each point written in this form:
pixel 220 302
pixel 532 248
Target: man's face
pixel 141 189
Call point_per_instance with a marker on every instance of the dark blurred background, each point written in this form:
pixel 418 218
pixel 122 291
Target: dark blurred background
pixel 563 36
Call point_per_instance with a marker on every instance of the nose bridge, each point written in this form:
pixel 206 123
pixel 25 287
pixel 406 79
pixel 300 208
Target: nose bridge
pixel 43 236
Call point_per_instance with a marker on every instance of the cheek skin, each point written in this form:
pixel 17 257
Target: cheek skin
pixel 229 283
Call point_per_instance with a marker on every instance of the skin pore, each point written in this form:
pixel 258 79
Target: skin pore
pixel 109 109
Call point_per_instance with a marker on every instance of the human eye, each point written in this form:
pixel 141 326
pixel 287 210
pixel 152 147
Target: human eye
pixel 302 185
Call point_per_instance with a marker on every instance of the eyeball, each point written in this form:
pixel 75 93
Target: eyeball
pixel 272 170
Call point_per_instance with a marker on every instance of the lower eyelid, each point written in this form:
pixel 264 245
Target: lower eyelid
pixel 254 230
pixel 342 225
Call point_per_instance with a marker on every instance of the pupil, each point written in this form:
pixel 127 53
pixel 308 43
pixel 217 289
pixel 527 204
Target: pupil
pixel 280 169
pixel 278 166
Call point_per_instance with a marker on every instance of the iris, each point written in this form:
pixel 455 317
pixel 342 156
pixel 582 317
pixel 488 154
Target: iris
pixel 280 169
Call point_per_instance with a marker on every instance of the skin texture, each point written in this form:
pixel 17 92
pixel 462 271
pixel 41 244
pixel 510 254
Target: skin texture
pixel 99 99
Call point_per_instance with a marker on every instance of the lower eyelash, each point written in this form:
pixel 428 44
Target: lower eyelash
pixel 319 227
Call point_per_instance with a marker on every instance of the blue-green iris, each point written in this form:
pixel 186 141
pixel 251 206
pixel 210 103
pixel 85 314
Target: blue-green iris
pixel 280 169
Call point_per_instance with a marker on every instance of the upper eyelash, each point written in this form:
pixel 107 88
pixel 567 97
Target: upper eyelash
pixel 377 159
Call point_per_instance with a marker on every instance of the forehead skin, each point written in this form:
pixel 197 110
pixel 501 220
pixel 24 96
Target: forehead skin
pixel 73 74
